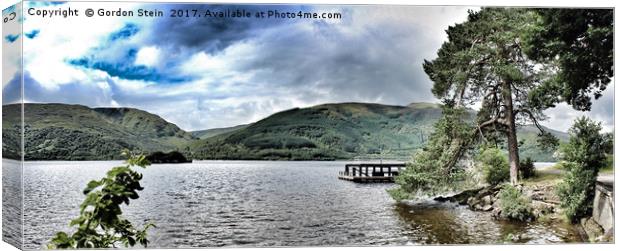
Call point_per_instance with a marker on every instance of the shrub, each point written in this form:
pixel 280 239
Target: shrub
pixel 514 204
pixel 398 194
pixel 100 224
pixel 494 165
pixel 583 157
pixel 527 169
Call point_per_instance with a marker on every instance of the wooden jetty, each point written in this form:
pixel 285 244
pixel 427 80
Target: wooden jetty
pixel 371 172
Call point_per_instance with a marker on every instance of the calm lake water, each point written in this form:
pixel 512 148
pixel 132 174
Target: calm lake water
pixel 262 203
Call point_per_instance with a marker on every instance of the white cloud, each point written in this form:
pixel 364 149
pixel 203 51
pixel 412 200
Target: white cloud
pixel 563 116
pixel 148 56
pixel 374 55
pixel 46 57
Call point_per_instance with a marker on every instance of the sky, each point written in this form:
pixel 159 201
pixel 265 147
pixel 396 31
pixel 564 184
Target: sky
pixel 202 73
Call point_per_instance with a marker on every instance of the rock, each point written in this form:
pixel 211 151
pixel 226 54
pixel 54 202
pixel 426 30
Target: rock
pixel 496 213
pixel 463 198
pixel 486 200
pixel 487 208
pixel 607 237
pixel 541 208
pixel 472 201
pixel 592 229
pixel 515 237
pixel 444 199
pixel 460 198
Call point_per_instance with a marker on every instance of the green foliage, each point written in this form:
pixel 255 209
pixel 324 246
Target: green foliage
pixel 608 143
pixel 436 168
pixel 399 194
pixel 100 224
pixel 608 167
pixel 527 169
pixel 494 165
pixel 483 63
pixel 577 45
pixel 514 205
pixel 326 132
pixel 583 157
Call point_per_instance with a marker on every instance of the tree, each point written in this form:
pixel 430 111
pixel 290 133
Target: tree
pixel 577 44
pixel 584 156
pixel 100 224
pixel 483 62
pixel 436 168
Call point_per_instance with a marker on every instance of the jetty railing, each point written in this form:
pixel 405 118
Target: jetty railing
pixel 371 172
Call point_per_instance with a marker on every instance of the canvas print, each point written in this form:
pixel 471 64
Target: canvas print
pixel 167 125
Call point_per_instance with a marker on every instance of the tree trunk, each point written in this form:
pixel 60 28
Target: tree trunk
pixel 513 144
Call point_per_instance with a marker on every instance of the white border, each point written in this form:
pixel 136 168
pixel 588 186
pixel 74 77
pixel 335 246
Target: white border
pixel 525 3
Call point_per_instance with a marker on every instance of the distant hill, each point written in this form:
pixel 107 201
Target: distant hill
pixel 340 131
pixel 203 134
pixel 528 135
pixel 322 132
pixel 75 132
pixel 329 131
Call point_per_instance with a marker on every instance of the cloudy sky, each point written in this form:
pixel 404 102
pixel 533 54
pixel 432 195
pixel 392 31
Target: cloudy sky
pixel 206 73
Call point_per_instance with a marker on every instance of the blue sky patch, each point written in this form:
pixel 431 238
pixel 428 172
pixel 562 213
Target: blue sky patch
pixel 11 37
pixel 127 31
pixel 32 34
pixel 126 70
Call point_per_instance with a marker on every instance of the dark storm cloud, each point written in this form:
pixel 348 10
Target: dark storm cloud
pixel 378 62
pixel 212 33
pixel 233 71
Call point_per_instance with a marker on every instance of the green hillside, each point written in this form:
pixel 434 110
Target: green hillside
pixel 330 131
pixel 203 134
pixel 528 135
pixel 340 131
pixel 75 132
pixel 323 132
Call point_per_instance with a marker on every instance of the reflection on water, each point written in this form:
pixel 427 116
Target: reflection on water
pixel 12 202
pixel 261 203
pixel 449 223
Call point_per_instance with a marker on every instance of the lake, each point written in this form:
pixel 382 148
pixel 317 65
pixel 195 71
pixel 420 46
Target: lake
pixel 261 203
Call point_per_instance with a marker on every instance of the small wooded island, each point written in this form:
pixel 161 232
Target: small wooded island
pixel 171 157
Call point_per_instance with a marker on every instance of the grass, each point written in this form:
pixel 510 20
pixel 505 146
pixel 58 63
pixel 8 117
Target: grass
pixel 549 175
pixel 609 165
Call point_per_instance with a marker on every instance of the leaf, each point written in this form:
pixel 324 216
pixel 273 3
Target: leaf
pixel 91 186
pixel 100 224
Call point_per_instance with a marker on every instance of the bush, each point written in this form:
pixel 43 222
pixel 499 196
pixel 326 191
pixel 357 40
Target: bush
pixel 583 157
pixel 577 192
pixel 494 166
pixel 527 169
pixel 514 204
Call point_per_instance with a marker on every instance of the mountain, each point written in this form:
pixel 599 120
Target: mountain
pixel 203 134
pixel 528 135
pixel 329 131
pixel 340 131
pixel 322 132
pixel 75 132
